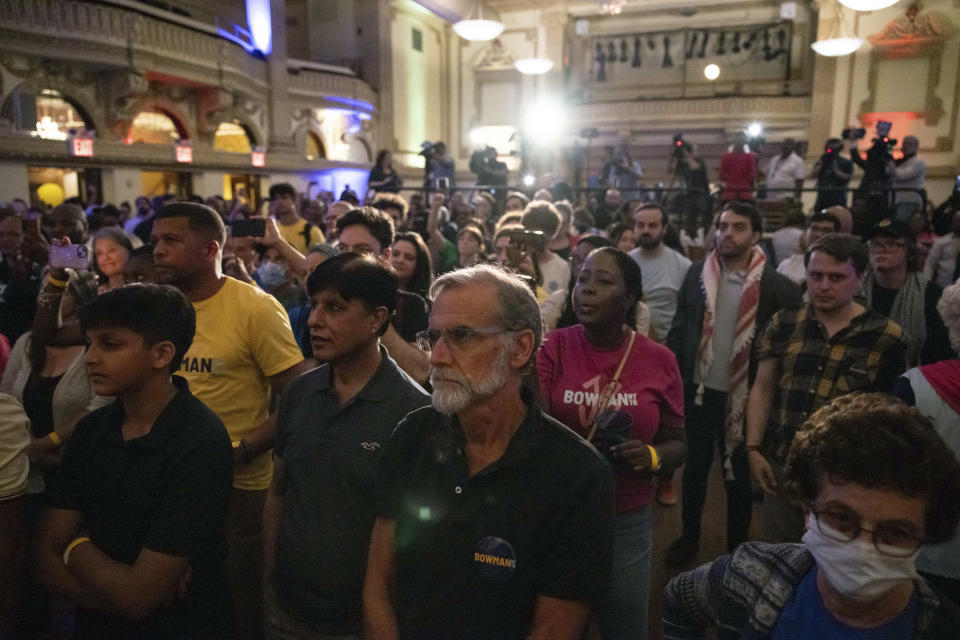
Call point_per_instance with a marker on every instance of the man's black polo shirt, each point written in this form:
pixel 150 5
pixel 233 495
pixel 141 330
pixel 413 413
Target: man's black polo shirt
pixel 329 455
pixel 166 491
pixel 474 552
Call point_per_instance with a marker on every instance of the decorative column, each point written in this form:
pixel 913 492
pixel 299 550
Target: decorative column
pixel 279 128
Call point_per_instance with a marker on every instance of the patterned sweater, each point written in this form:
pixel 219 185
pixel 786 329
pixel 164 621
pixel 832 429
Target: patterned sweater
pixel 742 595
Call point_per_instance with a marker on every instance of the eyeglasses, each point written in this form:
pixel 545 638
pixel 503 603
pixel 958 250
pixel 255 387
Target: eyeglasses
pixel 886 246
pixel 890 538
pixel 457 337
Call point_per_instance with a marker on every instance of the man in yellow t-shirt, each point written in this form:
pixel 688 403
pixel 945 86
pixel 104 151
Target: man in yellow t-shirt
pixel 243 350
pixel 294 229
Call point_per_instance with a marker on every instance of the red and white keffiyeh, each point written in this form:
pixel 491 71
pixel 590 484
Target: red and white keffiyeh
pixel 742 343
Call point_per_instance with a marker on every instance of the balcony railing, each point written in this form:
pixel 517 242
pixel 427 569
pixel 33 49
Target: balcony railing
pixel 131 36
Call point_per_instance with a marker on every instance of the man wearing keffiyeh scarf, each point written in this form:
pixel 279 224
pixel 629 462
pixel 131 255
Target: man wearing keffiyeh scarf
pixel 721 307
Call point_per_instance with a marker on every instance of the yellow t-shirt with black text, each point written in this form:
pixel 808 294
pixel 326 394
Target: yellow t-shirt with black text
pixel 243 337
pixel 295 236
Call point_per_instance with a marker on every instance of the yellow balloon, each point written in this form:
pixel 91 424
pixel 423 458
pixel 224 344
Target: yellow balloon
pixel 51 193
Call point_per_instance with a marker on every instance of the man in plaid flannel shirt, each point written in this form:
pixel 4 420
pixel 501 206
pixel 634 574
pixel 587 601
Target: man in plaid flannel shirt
pixel 809 356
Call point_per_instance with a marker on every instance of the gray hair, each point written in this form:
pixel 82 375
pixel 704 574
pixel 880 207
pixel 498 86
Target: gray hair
pixel 949 308
pixel 518 311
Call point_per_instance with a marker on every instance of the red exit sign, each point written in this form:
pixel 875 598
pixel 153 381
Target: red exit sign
pixel 81 147
pixel 258 158
pixel 184 153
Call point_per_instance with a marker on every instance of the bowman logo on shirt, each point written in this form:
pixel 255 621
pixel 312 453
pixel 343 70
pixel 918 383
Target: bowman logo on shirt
pixel 495 559
pixel 588 397
pixel 201 365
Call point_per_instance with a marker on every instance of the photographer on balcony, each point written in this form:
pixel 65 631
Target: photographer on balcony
pixel 438 167
pixel 489 170
pixel 689 170
pixel 873 191
pixel 907 172
pixel 833 173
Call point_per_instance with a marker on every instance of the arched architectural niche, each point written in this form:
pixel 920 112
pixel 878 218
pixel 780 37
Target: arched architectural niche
pixel 361 151
pixel 233 137
pixel 249 124
pixel 83 107
pixel 309 127
pixel 175 112
pixel 314 148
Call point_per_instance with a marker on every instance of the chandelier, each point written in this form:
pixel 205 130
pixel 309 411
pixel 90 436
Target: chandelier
pixel 868 5
pixel 477 27
pixel 610 7
pixel 838 41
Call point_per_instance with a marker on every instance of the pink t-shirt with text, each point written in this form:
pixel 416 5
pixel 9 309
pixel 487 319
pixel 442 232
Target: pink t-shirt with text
pixel 573 374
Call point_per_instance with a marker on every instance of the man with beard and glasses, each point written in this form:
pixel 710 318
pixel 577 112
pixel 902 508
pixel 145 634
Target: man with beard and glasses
pixel 475 536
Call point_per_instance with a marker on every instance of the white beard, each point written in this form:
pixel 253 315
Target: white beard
pixel 454 392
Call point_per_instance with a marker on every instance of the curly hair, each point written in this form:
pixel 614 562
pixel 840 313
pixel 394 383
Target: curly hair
pixel 877 442
pixel 385 200
pixel 949 308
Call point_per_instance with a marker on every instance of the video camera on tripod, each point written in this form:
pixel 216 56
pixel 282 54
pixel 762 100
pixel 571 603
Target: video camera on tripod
pixel 678 144
pixel 883 144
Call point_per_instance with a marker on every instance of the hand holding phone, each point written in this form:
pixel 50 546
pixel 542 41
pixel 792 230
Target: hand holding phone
pixel 69 256
pixel 248 228
pixel 528 241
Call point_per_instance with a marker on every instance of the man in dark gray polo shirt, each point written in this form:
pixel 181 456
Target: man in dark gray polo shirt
pixel 494 521
pixel 331 427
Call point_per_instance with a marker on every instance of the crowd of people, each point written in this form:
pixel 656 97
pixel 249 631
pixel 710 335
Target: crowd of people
pixel 450 416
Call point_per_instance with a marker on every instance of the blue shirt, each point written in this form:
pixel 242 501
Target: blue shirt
pixel 805 616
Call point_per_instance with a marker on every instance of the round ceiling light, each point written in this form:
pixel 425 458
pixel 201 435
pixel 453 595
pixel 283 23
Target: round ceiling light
pixel 868 5
pixel 711 72
pixel 834 47
pixel 478 30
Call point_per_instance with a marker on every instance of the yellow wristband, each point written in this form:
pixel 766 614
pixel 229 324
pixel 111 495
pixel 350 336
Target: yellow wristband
pixel 73 545
pixel 60 284
pixel 55 438
pixel 654 459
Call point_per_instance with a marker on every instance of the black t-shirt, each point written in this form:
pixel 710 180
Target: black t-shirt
pixel 829 179
pixel 936 347
pixel 329 454
pixel 18 299
pixel 166 491
pixel 144 228
pixel 38 403
pixel 377 175
pixel 473 553
pixel 412 316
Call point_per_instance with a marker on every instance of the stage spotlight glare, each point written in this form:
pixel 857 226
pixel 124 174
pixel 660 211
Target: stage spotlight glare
pixel 528 180
pixel 545 122
pixel 755 130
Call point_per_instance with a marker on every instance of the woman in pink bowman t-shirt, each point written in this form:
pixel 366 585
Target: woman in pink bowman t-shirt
pixel 622 391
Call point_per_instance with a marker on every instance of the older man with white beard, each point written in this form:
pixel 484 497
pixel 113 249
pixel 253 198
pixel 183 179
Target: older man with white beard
pixel 494 520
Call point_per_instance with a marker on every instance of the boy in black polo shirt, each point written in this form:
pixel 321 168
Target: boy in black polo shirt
pixel 134 532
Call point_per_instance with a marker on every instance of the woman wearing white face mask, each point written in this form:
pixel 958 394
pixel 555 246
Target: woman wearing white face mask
pixel 878 482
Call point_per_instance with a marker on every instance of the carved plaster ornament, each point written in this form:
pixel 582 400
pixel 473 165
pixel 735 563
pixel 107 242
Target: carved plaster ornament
pixel 214 106
pixel 912 34
pixel 496 57
pixel 122 91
